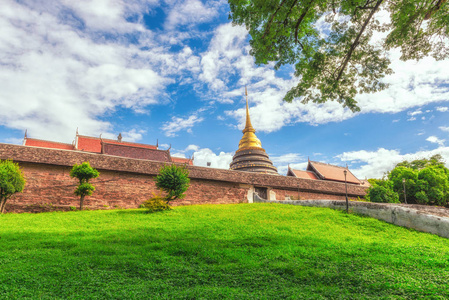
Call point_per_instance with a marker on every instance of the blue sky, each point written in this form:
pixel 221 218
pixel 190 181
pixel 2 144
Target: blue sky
pixel 175 71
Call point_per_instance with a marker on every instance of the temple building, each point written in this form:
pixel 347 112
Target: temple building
pixel 116 147
pixel 250 155
pixel 321 171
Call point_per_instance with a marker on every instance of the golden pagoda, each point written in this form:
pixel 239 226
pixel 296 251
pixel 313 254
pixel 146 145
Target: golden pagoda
pixel 251 156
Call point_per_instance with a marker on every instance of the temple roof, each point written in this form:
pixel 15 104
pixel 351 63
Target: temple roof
pixel 124 150
pixel 181 160
pixel 331 172
pixel 301 174
pixel 47 144
pixel 93 144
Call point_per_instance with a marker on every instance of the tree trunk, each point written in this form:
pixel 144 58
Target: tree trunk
pixel 2 205
pixel 81 201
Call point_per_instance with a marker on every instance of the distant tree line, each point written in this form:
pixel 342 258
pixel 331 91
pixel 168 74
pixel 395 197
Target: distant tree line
pixel 422 181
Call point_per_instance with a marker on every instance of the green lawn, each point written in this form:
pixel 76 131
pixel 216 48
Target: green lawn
pixel 243 251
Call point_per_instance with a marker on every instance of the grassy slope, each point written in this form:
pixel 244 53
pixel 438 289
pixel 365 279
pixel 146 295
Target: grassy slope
pixel 223 251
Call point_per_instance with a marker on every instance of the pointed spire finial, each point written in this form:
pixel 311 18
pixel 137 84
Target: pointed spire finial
pixel 157 143
pixel 248 125
pixel 76 130
pixel 26 130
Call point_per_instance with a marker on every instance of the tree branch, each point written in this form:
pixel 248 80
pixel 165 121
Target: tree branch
pixel 290 10
pixel 267 29
pixel 301 18
pixel 434 9
pixel 357 39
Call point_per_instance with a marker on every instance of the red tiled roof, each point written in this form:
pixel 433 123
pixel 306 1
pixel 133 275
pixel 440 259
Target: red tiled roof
pixel 304 174
pixel 136 152
pixel 182 160
pixel 331 172
pixel 93 144
pixel 48 144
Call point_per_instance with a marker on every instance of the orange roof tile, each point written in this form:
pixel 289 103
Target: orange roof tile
pixel 121 150
pixel 48 144
pixel 182 160
pixel 93 144
pixel 331 172
pixel 304 174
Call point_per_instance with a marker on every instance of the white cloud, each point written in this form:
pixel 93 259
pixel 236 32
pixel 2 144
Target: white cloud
pixel 414 113
pixel 375 163
pixel 205 155
pixel 178 124
pixel 442 108
pixel 411 119
pixel 177 154
pixel 192 147
pixel 444 128
pixel 435 140
pixel 190 12
pixel 59 73
pixel 133 135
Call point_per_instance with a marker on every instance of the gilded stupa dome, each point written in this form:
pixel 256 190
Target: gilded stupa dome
pixel 250 156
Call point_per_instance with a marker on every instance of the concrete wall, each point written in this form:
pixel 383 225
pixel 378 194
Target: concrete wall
pixel 398 214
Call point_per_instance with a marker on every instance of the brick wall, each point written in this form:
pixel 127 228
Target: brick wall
pixel 126 182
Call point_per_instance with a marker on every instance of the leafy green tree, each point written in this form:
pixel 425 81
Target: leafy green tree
pixel 397 175
pixel 332 43
pixel 434 187
pixel 11 181
pixel 418 164
pixel 174 180
pixel 84 172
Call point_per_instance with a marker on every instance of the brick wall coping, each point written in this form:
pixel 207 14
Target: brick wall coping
pixel 68 158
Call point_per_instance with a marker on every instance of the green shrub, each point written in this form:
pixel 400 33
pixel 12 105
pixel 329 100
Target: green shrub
pixel 174 180
pixel 156 203
pixel 84 172
pixel 382 194
pixel 11 181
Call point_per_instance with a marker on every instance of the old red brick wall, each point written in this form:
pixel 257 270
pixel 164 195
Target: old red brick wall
pixel 126 182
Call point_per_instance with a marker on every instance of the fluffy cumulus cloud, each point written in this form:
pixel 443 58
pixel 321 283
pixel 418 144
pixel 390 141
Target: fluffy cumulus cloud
pixel 442 108
pixel 177 124
pixel 435 140
pixel 374 164
pixel 190 12
pixel 66 64
pixel 205 155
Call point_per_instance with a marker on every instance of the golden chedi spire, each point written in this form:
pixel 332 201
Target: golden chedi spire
pixel 250 156
pixel 249 138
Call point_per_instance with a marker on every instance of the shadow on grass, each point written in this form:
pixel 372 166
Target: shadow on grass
pixel 139 211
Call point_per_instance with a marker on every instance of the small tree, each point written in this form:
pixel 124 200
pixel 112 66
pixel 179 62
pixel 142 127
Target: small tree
pixel 173 180
pixel 84 172
pixel 11 181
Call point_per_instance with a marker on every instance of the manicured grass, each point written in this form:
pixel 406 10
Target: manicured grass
pixel 244 251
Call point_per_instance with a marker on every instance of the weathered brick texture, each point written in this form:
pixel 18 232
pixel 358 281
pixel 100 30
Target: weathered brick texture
pixel 126 182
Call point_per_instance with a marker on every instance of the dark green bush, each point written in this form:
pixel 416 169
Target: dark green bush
pixel 382 194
